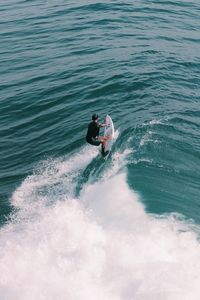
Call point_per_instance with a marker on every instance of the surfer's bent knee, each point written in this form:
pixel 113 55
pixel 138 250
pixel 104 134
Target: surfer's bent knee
pixel 94 142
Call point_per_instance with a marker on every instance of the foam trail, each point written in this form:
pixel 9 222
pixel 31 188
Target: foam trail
pixel 52 178
pixel 102 245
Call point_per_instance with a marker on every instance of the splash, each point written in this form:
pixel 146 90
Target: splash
pixel 52 179
pixel 101 245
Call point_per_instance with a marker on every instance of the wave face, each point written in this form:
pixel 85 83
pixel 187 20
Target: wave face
pixel 95 241
pixel 73 226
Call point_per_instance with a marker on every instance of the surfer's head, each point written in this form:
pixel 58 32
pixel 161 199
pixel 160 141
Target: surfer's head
pixel 95 117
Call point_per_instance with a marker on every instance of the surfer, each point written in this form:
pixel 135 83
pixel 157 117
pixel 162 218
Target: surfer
pixel 93 136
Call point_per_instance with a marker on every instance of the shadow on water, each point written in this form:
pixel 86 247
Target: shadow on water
pixel 92 172
pixel 6 210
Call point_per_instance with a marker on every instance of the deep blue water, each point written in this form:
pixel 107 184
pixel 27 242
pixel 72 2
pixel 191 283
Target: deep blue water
pixel 61 61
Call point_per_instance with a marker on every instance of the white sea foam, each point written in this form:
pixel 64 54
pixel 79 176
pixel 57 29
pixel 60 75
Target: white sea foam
pixel 146 138
pixel 52 173
pixel 101 246
pixel 141 160
pixel 156 121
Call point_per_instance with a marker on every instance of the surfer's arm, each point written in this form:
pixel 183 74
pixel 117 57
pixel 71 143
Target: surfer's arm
pixel 103 125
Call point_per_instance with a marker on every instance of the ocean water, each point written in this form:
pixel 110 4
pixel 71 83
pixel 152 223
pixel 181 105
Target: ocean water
pixel 73 225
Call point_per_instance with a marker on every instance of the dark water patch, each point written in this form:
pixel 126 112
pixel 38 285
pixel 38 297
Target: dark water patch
pixel 164 190
pixel 5 210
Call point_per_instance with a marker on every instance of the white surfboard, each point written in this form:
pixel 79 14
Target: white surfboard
pixel 109 132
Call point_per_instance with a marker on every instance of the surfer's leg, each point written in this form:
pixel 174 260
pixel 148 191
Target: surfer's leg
pixel 103 149
pixel 104 138
pixel 95 142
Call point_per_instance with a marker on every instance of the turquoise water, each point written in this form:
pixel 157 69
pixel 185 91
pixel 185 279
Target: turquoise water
pixel 124 228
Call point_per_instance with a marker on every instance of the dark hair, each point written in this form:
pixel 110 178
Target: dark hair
pixel 95 117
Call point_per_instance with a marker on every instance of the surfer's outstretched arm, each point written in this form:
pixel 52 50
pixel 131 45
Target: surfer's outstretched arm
pixel 103 125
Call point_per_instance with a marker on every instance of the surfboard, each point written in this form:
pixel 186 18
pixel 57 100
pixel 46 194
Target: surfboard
pixel 109 132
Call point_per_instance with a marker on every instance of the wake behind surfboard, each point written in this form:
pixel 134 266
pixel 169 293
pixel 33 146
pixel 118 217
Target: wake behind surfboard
pixel 109 132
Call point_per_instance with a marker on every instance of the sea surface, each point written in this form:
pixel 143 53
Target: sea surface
pixel 75 226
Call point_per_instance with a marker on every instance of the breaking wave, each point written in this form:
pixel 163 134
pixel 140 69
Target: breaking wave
pixel 80 232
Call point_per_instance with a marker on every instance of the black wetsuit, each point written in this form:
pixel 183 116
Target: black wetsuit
pixel 92 133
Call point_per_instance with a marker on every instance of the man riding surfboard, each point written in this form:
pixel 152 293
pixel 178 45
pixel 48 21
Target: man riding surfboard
pixel 93 137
